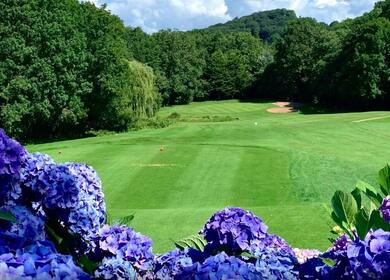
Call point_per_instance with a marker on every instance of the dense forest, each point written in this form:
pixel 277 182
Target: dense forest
pixel 67 68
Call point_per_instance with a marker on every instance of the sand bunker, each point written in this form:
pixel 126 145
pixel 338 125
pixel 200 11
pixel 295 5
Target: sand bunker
pixel 284 107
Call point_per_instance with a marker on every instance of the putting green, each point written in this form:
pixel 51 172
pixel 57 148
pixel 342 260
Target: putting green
pixel 284 167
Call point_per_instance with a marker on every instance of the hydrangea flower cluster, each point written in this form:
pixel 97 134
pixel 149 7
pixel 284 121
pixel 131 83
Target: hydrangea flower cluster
pixel 270 257
pixel 385 209
pixel 71 193
pixel 359 259
pixel 234 228
pixel 127 244
pixel 276 263
pixel 271 241
pixel 27 230
pixel 175 264
pixel 11 153
pixel 222 266
pixel 115 268
pixel 39 261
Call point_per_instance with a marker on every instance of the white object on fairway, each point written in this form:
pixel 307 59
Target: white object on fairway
pixel 256 123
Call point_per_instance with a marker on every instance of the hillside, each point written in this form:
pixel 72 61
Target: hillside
pixel 267 25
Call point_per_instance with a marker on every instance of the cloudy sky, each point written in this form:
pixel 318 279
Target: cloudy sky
pixel 153 15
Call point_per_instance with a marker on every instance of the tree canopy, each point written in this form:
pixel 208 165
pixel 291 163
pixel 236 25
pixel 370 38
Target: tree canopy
pixel 68 67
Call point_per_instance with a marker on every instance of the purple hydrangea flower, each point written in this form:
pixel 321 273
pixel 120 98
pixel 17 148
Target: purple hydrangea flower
pixel 385 209
pixel 27 230
pixel 124 242
pixel 173 265
pixel 11 153
pixel 271 241
pixel 341 243
pixel 234 228
pixel 359 259
pixel 115 268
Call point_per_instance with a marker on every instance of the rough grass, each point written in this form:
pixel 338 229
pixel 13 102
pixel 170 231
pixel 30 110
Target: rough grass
pixel 285 168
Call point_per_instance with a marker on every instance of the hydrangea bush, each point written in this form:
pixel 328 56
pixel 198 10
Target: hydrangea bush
pixel 53 226
pixel 234 229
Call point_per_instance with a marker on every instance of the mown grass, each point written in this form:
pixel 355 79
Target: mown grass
pixel 285 168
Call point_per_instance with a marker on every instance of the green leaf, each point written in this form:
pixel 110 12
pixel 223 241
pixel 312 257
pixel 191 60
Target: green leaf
pixel 384 180
pixel 362 222
pixel 6 216
pixel 328 262
pixel 377 221
pixel 357 195
pixel 248 255
pixel 195 241
pixel 53 236
pixel 342 225
pixel 88 265
pixel 370 192
pixel 126 220
pixel 344 206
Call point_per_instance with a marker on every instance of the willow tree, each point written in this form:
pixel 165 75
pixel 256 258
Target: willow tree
pixel 137 97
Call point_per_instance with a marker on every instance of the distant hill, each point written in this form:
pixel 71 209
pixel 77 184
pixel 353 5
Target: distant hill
pixel 266 25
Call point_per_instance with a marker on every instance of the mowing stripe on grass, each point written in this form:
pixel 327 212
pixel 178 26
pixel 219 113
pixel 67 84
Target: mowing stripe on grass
pixel 372 119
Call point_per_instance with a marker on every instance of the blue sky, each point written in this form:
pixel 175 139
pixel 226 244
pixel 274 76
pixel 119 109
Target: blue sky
pixel 153 15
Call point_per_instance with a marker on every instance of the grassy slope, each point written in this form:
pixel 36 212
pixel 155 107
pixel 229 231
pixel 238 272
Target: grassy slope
pixel 285 169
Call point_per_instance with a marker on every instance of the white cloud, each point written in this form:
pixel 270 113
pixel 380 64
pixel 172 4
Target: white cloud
pixel 153 15
pixel 322 10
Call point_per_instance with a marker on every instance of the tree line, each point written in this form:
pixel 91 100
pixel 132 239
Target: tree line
pixel 67 68
pixel 345 66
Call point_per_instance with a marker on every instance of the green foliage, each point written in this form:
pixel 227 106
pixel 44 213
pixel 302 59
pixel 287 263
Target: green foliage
pixel 196 241
pixel 301 56
pixel 6 216
pixel 201 65
pixel 64 71
pixel 267 25
pixel 345 65
pixel 126 220
pixel 384 180
pixel 352 216
pixel 43 68
pixel 344 207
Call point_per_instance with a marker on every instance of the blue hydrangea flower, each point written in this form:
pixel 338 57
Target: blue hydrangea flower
pixel 32 167
pixel 173 265
pixel 11 153
pixel 92 192
pixel 385 209
pixel 271 241
pixel 234 229
pixel 125 243
pixel 222 266
pixel 39 261
pixel 115 268
pixel 28 228
pixel 276 263
pixel 71 193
